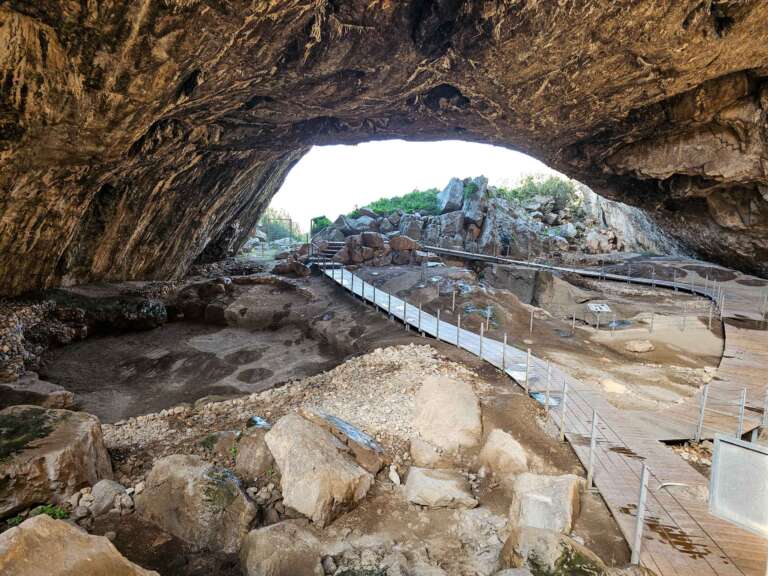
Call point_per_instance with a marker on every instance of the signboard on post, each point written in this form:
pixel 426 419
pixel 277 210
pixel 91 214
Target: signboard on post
pixel 738 485
pixel 598 308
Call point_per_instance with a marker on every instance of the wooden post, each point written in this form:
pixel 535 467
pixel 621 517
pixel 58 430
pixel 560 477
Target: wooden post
pixel 685 314
pixel 640 520
pixel 563 405
pixel 674 278
pixel 702 410
pixel 592 447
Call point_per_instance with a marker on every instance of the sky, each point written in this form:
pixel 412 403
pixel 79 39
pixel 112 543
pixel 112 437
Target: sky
pixel 332 180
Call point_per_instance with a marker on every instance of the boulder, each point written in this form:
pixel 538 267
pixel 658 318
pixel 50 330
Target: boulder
pixel 426 455
pixel 547 502
pixel 559 244
pixel 475 200
pixel 373 239
pixel 282 549
pixel 200 503
pixel 367 212
pixel 551 218
pixel 291 267
pixel 29 389
pixel 253 458
pixel 368 453
pixel 47 455
pixel 104 493
pixel 451 223
pixel 411 226
pixel 385 226
pixel 438 489
pixel 42 546
pixel 318 478
pixel 639 346
pixel 568 230
pixel 401 243
pixel 447 413
pixel 503 455
pixel 364 223
pixel 394 218
pixel 547 552
pixel 452 196
pixel 402 257
pixel 345 225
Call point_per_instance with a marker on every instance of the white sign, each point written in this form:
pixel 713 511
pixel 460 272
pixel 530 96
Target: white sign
pixel 738 485
pixel 598 308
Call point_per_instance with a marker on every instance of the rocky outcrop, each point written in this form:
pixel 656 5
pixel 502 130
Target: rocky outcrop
pixel 47 455
pixel 318 478
pixel 42 546
pixel 197 502
pixel 134 140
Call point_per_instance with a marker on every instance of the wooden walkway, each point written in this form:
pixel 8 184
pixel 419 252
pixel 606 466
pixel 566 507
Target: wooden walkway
pixel 680 537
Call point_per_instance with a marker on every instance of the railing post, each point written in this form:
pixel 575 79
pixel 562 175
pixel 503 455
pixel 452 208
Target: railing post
pixel 563 406
pixel 592 447
pixel 504 355
pixel 481 340
pixel 419 321
pixel 458 331
pixel 530 327
pixel 765 410
pixel 453 300
pixel 405 315
pixel 640 520
pixel 437 329
pixel 702 409
pixel 711 307
pixel 546 390
pixel 527 371
pixel 389 305
pixel 573 324
pixel 374 297
pixel 742 404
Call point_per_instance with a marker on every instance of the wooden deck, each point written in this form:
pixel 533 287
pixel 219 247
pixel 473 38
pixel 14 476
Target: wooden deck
pixel 680 537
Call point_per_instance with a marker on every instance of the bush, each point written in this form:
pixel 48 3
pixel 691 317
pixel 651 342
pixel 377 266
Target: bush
pixel 320 223
pixel 421 201
pixel 562 190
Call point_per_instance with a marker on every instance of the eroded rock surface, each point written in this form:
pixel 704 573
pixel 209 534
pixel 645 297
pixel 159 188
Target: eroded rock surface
pixel 136 139
pixel 47 455
pixel 42 546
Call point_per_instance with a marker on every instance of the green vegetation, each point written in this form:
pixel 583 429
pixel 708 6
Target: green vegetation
pixel 55 512
pixel 320 223
pixel 469 189
pixel 562 190
pixel 233 452
pixel 421 201
pixel 208 442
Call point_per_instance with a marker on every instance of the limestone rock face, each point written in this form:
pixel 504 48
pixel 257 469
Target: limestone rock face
pixel 200 503
pixel 447 413
pixel 438 489
pixel 42 546
pixel 545 502
pixel 452 197
pixel 47 455
pixel 283 549
pixel 318 478
pixel 132 144
pixel 29 389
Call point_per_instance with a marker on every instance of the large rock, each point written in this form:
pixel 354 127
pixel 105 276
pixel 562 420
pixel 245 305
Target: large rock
pixel 283 549
pixel 47 455
pixel 318 478
pixel 368 453
pixel 452 196
pixel 503 455
pixel 373 239
pixel 438 489
pixel 547 552
pixel 29 389
pixel 475 200
pixel 197 502
pixel 403 243
pixel 447 413
pixel 546 502
pixel 104 493
pixel 253 458
pixel 42 546
pixel 345 225
pixel 411 226
pixel 364 224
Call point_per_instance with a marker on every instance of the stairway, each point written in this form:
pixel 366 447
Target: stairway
pixel 325 256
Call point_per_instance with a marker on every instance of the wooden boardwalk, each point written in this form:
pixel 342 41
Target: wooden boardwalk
pixel 680 537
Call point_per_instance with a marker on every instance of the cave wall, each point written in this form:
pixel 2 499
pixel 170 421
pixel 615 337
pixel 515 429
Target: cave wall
pixel 137 136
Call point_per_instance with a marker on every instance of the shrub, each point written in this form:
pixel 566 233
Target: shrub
pixel 422 201
pixel 320 223
pixel 562 190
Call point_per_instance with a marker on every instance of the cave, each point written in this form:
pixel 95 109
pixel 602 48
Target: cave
pixel 135 139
